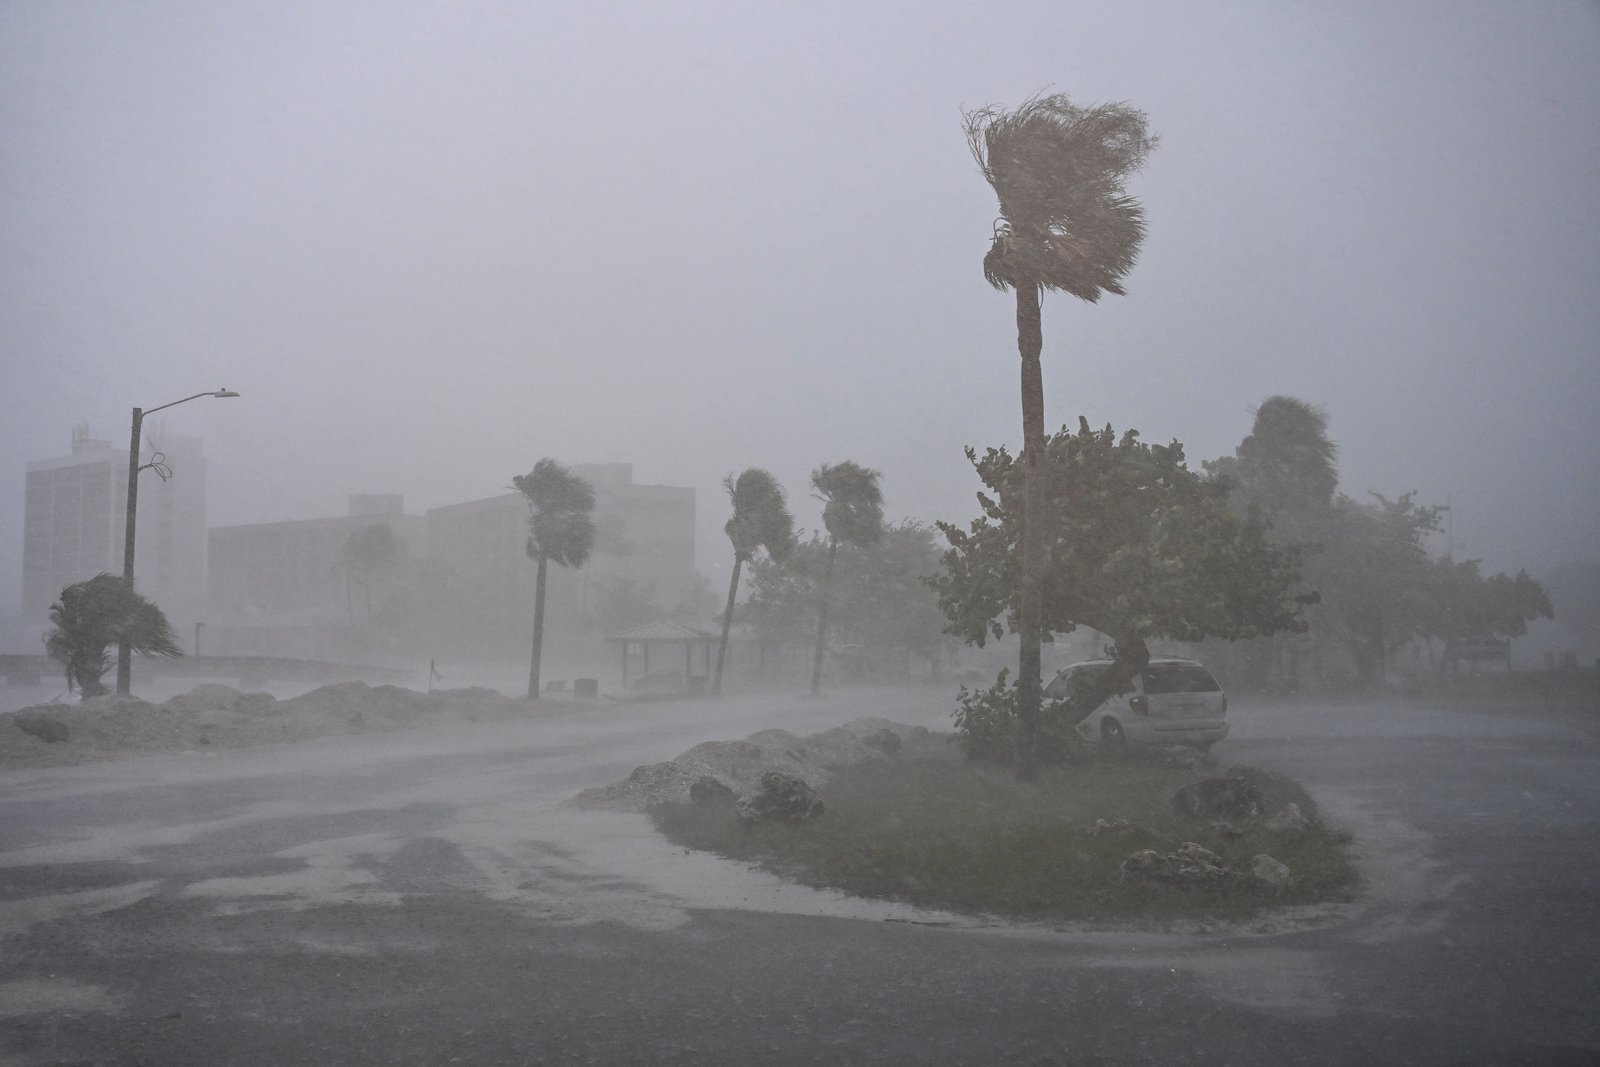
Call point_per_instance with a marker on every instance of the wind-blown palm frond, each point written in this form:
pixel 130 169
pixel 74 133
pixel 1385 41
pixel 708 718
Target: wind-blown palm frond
pixel 761 518
pixel 1065 223
pixel 560 528
pixel 852 512
pixel 1059 172
pixel 94 614
pixel 560 524
pixel 852 502
pixel 1288 460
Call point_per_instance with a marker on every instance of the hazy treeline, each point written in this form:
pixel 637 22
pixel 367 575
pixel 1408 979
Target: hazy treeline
pixel 1387 599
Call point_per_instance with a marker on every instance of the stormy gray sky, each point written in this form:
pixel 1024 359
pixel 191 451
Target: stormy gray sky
pixel 431 243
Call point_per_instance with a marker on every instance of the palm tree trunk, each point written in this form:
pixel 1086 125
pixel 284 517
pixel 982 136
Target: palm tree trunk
pixel 1030 339
pixel 822 619
pixel 538 628
pixel 727 622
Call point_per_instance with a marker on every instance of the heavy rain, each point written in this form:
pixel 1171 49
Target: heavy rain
pixel 723 533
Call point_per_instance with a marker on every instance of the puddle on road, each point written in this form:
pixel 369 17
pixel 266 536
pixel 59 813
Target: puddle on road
pixel 510 839
pixel 55 996
pixel 19 916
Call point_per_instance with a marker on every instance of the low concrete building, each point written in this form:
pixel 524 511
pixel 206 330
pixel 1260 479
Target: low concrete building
pixel 268 579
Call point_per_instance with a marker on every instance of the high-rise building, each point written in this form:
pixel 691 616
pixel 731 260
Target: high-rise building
pixel 75 513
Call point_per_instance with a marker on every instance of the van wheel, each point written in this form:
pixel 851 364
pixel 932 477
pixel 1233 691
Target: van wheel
pixel 1112 738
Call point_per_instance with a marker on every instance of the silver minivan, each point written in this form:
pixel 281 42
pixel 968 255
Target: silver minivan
pixel 1174 701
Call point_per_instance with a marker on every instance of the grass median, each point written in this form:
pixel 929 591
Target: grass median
pixel 928 828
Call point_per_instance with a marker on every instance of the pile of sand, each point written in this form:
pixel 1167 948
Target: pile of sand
pixel 739 765
pixel 109 727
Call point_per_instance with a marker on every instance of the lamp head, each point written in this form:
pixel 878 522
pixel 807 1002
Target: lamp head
pixel 224 392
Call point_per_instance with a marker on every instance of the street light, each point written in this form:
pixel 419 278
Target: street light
pixel 124 647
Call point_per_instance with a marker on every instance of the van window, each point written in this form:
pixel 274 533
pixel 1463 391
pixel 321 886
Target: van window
pixel 1073 680
pixel 1179 678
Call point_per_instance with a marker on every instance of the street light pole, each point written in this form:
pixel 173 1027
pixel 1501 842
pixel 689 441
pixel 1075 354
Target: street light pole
pixel 125 646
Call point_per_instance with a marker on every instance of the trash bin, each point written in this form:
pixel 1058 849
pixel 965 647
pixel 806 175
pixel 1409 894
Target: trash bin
pixel 586 688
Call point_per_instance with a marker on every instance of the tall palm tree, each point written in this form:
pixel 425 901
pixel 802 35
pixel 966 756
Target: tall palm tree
pixel 560 529
pixel 760 520
pixel 1065 223
pixel 368 551
pixel 853 513
pixel 1287 462
pixel 95 614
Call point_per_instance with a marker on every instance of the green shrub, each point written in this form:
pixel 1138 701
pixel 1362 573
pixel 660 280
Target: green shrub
pixel 988 729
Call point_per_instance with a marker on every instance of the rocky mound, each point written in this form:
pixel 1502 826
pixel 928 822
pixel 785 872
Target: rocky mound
pixel 109 727
pixel 739 765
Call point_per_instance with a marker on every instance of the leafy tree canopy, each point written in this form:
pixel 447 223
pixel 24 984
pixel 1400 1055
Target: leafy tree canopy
pixel 1371 565
pixel 1137 547
pixel 1380 589
pixel 881 603
pixel 1467 604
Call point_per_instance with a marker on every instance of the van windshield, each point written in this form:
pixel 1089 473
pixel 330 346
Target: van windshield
pixel 1081 679
pixel 1179 678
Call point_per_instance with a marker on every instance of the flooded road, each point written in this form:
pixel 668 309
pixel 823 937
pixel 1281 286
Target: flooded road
pixel 428 897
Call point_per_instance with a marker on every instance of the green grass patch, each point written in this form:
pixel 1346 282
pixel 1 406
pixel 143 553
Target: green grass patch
pixel 929 828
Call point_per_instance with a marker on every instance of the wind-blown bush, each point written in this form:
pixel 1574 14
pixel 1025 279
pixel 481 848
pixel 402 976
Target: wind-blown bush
pixel 988 728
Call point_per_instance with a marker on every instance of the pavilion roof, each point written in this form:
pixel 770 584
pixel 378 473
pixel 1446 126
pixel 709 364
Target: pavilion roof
pixel 665 630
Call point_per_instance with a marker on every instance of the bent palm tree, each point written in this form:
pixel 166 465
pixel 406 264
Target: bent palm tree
pixel 368 551
pixel 1065 223
pixel 560 528
pixel 95 614
pixel 1287 466
pixel 853 513
pixel 760 520
pixel 1287 462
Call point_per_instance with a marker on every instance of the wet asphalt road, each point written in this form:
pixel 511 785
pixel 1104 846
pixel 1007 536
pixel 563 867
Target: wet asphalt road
pixel 426 900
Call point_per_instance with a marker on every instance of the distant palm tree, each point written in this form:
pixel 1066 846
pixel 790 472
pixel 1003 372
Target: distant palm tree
pixel 1287 462
pixel 1065 223
pixel 95 614
pixel 1287 466
pixel 853 513
pixel 368 551
pixel 560 528
pixel 760 520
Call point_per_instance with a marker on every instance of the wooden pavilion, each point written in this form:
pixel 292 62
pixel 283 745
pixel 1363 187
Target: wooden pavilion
pixel 681 652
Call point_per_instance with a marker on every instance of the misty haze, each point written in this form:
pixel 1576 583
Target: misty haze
pixel 711 533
